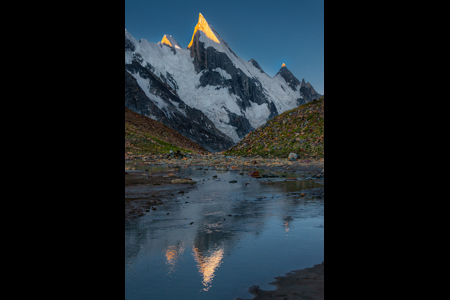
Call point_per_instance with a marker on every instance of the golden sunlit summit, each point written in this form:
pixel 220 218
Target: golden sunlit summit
pixel 170 41
pixel 203 26
pixel 166 41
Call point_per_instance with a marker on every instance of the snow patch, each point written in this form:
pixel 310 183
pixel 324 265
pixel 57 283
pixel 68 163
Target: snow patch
pixel 223 73
pixel 257 115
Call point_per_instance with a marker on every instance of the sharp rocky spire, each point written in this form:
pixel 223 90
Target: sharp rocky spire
pixel 203 26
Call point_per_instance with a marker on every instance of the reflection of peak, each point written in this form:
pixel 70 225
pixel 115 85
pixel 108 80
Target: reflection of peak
pixel 173 253
pixel 170 41
pixel 208 264
pixel 203 26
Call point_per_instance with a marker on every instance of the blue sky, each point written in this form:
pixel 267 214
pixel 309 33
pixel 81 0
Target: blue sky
pixel 270 31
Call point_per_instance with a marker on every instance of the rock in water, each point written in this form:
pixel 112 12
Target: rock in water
pixel 254 174
pixel 183 181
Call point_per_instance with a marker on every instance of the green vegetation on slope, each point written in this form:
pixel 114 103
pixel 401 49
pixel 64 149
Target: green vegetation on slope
pixel 138 142
pixel 300 131
pixel 146 136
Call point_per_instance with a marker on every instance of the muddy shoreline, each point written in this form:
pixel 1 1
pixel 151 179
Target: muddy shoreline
pixel 146 191
pixel 301 284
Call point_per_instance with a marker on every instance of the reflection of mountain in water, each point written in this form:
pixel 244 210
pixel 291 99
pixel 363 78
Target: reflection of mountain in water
pixel 287 220
pixel 216 237
pixel 208 264
pixel 211 238
pixel 173 253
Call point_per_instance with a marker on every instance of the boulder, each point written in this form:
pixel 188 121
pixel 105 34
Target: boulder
pixel 292 156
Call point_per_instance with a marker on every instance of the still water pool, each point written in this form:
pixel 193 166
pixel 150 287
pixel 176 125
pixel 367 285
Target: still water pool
pixel 228 237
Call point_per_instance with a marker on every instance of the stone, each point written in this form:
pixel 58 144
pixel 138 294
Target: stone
pixel 183 181
pixel 254 174
pixel 292 156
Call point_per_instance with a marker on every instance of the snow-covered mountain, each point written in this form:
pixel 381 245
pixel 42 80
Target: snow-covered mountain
pixel 206 92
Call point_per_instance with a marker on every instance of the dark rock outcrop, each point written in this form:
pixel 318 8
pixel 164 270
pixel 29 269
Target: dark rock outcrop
pixel 306 90
pixel 291 80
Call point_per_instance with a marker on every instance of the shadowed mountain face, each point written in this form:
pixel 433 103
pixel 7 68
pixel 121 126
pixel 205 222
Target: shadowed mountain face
pixel 290 79
pixel 206 92
pixel 306 90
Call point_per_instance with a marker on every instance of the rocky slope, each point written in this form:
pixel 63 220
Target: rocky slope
pixel 300 131
pixel 146 136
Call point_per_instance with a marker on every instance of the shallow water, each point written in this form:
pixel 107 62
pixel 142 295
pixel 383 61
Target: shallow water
pixel 220 256
pixel 151 169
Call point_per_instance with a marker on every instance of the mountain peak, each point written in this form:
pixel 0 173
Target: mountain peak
pixel 170 41
pixel 283 65
pixel 203 26
pixel 288 77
